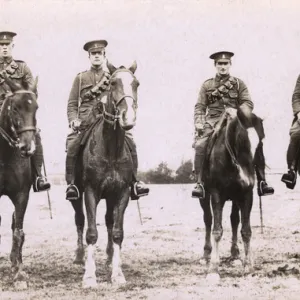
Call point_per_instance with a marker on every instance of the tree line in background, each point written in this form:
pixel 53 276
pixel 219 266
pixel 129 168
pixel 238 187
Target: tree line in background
pixel 162 174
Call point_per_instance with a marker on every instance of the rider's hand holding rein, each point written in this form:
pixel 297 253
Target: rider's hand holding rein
pixel 231 112
pixel 75 124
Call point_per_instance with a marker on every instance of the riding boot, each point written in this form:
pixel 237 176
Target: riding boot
pixel 290 177
pixel 40 182
pixel 138 188
pixel 199 191
pixel 72 192
pixel 263 189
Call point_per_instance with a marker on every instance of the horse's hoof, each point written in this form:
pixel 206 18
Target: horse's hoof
pixel 89 283
pixel 118 280
pixel 235 262
pixel 204 261
pixel 20 285
pixel 248 270
pixel 213 278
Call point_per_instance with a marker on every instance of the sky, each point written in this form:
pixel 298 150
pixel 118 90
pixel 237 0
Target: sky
pixel 171 42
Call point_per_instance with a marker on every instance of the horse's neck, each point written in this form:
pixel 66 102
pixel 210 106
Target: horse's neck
pixel 113 140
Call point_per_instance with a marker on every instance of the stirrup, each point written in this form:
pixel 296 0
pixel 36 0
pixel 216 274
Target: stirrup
pixel 196 189
pixel 290 184
pixel 76 190
pixel 135 189
pixel 35 185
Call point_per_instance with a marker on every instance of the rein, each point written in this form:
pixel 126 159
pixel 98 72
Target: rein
pixel 112 119
pixel 14 141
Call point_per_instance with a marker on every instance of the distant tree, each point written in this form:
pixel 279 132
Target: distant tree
pixel 184 172
pixel 162 174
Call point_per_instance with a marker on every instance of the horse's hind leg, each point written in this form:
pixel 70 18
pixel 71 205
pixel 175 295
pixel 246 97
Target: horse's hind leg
pixel 79 221
pixel 207 217
pixel 89 277
pixel 235 220
pixel 246 206
pixel 217 206
pixel 18 236
pixel 117 235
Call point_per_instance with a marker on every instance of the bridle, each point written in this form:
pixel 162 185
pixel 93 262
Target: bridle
pixel 114 118
pixel 14 141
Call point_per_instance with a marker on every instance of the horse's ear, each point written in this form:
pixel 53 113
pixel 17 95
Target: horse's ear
pixel 33 87
pixel 133 67
pixel 111 68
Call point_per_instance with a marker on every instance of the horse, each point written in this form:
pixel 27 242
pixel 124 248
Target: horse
pixel 105 171
pixel 230 175
pixel 17 145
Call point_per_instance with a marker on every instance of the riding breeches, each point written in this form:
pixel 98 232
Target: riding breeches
pixel 200 146
pixel 73 147
pixel 293 149
pixel 38 157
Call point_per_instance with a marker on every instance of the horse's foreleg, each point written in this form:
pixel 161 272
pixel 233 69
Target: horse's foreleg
pixel 109 221
pixel 207 217
pixel 18 237
pixel 217 206
pixel 246 206
pixel 117 276
pixel 89 277
pixel 79 221
pixel 235 220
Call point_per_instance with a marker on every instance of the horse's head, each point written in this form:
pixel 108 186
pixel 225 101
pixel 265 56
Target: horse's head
pixel 123 94
pixel 18 118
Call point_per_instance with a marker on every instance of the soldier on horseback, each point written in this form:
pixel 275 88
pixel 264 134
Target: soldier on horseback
pixel 84 96
pixel 18 72
pixel 223 94
pixel 290 177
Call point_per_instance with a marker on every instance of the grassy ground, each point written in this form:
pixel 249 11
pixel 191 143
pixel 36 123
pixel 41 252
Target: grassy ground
pixel 161 258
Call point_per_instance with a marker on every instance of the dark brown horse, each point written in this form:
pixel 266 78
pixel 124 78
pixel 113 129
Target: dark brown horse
pixel 106 173
pixel 17 144
pixel 230 176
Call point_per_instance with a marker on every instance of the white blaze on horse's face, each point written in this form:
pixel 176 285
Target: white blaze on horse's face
pixel 125 87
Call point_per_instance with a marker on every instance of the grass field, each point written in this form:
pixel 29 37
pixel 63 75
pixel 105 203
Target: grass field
pixel 161 258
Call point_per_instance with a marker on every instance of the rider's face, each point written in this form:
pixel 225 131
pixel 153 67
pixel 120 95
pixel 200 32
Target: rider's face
pixel 6 49
pixel 97 57
pixel 223 66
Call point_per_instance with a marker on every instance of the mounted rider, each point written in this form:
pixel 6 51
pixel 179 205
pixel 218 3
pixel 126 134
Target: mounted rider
pixel 290 177
pixel 18 72
pixel 84 96
pixel 223 93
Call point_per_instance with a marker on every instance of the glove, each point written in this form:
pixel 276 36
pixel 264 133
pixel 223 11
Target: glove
pixel 75 124
pixel 231 112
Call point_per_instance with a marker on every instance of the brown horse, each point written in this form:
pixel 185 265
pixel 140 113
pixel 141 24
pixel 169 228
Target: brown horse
pixel 17 144
pixel 230 176
pixel 106 173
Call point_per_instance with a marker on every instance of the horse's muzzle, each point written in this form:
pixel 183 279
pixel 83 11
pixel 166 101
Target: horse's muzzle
pixel 27 150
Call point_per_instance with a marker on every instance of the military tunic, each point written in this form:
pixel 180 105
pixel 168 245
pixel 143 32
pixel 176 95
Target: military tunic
pixel 295 129
pixel 210 106
pixel 78 106
pixel 21 74
pixel 215 95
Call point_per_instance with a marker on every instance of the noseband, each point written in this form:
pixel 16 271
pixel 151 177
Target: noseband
pixel 114 118
pixel 14 141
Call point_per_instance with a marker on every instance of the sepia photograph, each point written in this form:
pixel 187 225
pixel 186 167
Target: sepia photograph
pixel 149 149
